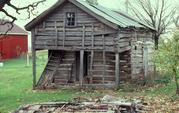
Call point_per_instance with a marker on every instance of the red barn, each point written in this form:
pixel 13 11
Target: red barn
pixel 14 43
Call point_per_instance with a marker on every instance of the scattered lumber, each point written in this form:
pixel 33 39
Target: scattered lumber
pixel 107 104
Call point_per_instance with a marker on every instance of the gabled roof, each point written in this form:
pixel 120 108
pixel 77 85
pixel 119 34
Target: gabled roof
pixel 105 15
pixel 16 30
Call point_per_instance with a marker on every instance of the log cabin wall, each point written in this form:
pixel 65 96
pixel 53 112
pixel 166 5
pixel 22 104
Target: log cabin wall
pixel 141 54
pixel 136 58
pixel 123 40
pixel 52 33
pixel 103 68
pixel 125 66
pixel 123 44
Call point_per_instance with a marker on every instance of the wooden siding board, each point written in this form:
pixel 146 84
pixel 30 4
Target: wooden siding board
pixel 72 36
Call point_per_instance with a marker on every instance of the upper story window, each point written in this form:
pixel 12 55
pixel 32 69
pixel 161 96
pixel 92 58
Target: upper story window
pixel 70 19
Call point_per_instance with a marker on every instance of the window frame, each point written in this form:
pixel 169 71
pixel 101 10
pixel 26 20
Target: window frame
pixel 66 19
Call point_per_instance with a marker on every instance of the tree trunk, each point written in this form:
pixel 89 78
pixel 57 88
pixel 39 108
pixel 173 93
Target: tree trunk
pixel 156 38
pixel 176 81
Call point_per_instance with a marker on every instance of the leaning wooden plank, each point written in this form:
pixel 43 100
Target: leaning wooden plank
pixel 33 59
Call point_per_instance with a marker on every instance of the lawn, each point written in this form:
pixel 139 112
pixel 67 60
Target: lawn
pixel 16 87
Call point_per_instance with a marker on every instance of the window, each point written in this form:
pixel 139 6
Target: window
pixel 70 19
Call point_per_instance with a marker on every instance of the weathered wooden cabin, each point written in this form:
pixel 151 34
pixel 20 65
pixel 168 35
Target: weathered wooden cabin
pixel 89 45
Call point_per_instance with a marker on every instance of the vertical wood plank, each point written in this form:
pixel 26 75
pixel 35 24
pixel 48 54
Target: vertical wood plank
pixel 56 30
pixel 104 59
pixel 82 58
pixel 44 25
pixel 145 61
pixel 117 69
pixel 64 31
pixel 92 55
pixel 83 38
pixel 75 69
pixel 92 37
pixel 33 58
pixel 81 66
pixel 35 31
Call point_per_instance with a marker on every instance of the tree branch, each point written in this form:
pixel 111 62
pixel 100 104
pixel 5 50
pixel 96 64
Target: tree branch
pixel 29 8
pixel 8 22
pixel 176 21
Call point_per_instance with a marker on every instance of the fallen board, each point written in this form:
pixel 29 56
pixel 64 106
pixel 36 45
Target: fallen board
pixel 80 105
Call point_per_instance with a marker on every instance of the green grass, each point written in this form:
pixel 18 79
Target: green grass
pixel 16 87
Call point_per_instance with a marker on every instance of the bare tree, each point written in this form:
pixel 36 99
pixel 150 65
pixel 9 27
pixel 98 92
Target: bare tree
pixel 156 13
pixel 176 21
pixel 29 8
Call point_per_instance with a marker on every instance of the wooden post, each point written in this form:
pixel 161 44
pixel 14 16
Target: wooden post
pixel 145 60
pixel 104 59
pixel 117 70
pixel 83 38
pixel 81 66
pixel 64 31
pixel 33 59
pixel 82 58
pixel 34 67
pixel 92 54
pixel 28 64
pixel 56 30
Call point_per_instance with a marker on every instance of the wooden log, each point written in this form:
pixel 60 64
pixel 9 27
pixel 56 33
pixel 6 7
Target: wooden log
pixel 73 48
pixel 81 67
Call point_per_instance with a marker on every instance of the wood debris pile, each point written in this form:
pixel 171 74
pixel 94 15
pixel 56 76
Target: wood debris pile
pixel 105 105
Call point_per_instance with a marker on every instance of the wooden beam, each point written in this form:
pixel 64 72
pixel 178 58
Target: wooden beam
pixel 92 55
pixel 145 61
pixel 33 59
pixel 43 47
pixel 82 58
pixel 117 69
pixel 92 36
pixel 64 31
pixel 104 59
pixel 56 30
pixel 83 38
pixel 81 66
pixel 44 24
